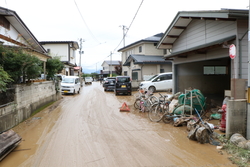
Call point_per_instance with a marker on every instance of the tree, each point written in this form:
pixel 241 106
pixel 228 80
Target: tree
pixel 19 64
pixel 4 79
pixel 118 68
pixel 54 66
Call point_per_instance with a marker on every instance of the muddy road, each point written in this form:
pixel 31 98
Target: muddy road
pixel 89 130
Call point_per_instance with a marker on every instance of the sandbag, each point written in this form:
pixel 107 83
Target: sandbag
pixel 202 135
pixel 192 132
pixel 237 138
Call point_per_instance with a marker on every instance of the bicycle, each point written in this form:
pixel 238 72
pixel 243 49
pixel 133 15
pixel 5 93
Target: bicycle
pixel 144 100
pixel 158 110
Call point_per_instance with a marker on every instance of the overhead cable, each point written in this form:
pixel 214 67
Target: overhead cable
pixel 86 24
pixel 129 25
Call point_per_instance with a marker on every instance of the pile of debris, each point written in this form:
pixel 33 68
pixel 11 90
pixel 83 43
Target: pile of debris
pixel 189 109
pixel 8 141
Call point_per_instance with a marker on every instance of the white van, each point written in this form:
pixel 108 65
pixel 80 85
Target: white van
pixel 160 82
pixel 70 84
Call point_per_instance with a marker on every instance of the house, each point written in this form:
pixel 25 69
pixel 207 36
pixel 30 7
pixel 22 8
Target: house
pixel 198 43
pixel 27 98
pixel 15 33
pixel 77 71
pixel 142 59
pixel 66 50
pixel 108 66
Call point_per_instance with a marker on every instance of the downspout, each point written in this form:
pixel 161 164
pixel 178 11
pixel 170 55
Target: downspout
pixel 240 55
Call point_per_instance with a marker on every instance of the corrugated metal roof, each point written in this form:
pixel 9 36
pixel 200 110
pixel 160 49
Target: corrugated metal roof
pixel 184 18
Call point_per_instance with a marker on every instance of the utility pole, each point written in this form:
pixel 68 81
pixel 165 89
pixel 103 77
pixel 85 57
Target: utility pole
pixel 110 75
pixel 80 66
pixel 124 29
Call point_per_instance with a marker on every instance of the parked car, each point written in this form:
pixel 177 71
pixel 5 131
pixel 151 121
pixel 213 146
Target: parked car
pixel 109 84
pixel 160 82
pixel 123 85
pixel 59 76
pixel 88 80
pixel 70 84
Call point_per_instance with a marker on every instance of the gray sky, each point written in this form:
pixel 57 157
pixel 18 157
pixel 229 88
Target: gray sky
pixel 99 22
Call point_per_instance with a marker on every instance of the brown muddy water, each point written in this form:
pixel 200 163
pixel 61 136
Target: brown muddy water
pixel 88 129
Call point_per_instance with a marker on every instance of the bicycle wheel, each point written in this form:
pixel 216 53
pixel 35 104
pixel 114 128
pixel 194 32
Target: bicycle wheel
pixel 166 119
pixel 153 99
pixel 137 103
pixel 156 113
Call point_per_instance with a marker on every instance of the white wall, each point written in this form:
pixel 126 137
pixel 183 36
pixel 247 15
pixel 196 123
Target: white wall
pixel 13 34
pixel 60 50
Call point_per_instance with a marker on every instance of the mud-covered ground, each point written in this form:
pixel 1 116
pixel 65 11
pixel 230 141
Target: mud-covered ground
pixel 88 129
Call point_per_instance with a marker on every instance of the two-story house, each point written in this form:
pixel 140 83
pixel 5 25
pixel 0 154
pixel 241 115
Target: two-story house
pixel 66 50
pixel 142 59
pixel 108 67
pixel 14 33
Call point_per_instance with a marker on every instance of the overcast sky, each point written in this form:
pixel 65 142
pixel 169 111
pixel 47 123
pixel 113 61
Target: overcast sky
pixel 99 22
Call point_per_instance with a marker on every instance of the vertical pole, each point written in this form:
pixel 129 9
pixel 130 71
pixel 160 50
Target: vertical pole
pixel 123 28
pixel 110 64
pixel 44 70
pixel 248 82
pixel 80 66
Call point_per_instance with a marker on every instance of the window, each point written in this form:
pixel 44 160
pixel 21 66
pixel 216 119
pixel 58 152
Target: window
pixel 161 70
pixel 134 75
pixel 214 70
pixel 140 49
pixel 125 73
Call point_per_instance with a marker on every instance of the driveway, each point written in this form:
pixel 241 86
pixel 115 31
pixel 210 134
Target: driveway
pixel 88 129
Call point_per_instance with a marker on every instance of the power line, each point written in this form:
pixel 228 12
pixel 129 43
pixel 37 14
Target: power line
pixel 86 24
pixel 130 25
pixel 124 33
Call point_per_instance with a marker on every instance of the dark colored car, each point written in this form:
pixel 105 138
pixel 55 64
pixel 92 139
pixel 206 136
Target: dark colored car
pixel 123 85
pixel 109 84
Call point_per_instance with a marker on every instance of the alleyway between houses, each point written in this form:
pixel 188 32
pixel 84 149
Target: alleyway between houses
pixel 88 130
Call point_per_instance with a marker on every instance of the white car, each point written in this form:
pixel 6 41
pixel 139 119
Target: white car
pixel 160 82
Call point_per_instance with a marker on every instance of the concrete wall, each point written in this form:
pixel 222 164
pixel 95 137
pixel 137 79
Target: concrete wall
pixel 236 117
pixel 28 98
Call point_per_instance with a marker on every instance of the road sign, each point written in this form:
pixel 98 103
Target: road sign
pixel 232 51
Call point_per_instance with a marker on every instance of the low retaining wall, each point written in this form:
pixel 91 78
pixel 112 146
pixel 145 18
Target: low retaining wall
pixel 28 98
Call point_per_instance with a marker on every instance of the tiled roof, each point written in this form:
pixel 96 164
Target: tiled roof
pixel 155 38
pixel 146 59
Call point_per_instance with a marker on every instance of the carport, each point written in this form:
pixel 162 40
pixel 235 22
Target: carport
pixel 205 67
